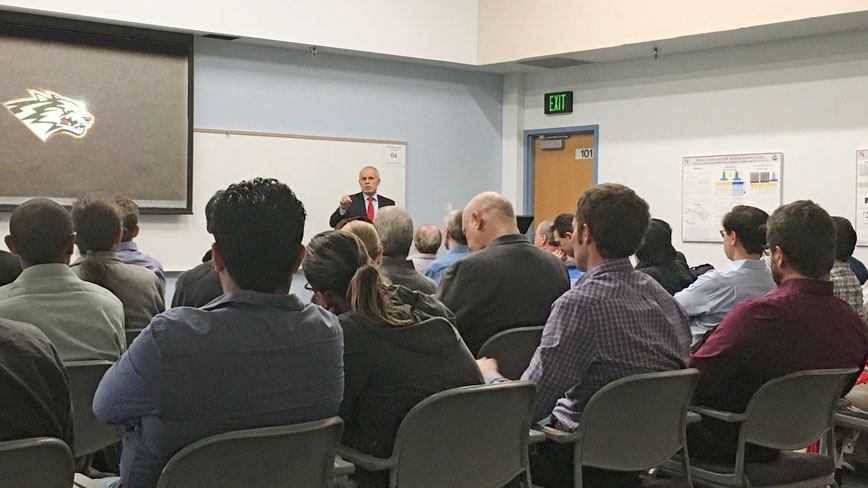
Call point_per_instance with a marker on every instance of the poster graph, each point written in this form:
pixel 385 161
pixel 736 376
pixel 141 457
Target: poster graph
pixel 712 185
pixel 862 197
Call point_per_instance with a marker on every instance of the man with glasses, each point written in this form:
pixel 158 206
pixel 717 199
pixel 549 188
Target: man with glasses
pixel 708 299
pixel 798 326
pixel 84 321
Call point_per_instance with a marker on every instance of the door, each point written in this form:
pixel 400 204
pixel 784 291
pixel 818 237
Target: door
pixel 562 175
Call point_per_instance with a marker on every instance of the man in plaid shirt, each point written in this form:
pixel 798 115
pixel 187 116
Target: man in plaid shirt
pixel 614 322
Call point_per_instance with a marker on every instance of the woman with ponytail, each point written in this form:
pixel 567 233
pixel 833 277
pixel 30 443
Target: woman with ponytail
pixel 399 345
pixel 97 222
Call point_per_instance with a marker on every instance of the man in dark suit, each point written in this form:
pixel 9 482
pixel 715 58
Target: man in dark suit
pixel 505 282
pixel 366 203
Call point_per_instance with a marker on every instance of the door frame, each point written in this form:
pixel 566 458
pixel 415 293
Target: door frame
pixel 529 150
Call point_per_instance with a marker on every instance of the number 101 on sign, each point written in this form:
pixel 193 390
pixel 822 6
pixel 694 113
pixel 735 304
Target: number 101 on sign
pixel 586 153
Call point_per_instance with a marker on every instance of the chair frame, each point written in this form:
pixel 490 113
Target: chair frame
pixel 737 477
pixel 81 419
pixel 42 443
pixel 372 463
pixel 578 436
pixel 336 468
pixel 494 342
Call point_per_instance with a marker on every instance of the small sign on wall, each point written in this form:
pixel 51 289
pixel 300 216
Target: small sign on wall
pixel 558 103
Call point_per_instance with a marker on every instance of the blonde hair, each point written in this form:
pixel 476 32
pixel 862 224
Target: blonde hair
pixel 368 234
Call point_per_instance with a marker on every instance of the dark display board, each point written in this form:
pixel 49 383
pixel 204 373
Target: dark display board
pixel 88 107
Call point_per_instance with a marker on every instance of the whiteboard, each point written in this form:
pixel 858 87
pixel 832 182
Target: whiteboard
pixel 712 185
pixel 318 169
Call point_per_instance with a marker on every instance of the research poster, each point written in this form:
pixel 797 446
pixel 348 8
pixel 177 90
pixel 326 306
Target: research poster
pixel 862 197
pixel 712 185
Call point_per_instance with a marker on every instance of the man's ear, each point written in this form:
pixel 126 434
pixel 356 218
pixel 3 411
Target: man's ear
pixel 135 232
pixel 69 245
pixel 299 259
pixel 10 244
pixel 120 236
pixel 217 258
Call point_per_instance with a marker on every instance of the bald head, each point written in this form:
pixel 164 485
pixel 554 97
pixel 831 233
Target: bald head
pixel 41 232
pixel 488 216
pixel 427 239
pixel 543 235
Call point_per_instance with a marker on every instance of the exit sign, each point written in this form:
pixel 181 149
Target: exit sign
pixel 558 103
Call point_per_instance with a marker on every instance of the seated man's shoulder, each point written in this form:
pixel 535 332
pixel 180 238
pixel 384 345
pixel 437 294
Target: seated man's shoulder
pixel 24 338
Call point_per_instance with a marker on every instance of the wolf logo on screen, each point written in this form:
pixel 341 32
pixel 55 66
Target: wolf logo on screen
pixel 47 114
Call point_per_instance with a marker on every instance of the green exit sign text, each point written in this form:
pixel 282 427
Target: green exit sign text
pixel 558 103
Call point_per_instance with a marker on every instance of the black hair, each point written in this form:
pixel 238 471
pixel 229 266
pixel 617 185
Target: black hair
pixel 563 223
pixel 749 224
pixel 258 226
pixel 656 248
pixel 40 229
pixel 846 238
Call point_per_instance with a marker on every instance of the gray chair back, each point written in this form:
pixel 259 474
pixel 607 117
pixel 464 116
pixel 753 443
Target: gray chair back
pixel 290 456
pixel 473 437
pixel 637 422
pixel 40 461
pixel 513 350
pixel 90 434
pixel 795 410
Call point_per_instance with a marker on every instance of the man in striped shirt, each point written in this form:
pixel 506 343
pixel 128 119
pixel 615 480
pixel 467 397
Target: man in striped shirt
pixel 615 322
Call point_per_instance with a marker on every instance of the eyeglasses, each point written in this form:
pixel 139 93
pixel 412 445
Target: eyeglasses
pixel 309 288
pixel 722 233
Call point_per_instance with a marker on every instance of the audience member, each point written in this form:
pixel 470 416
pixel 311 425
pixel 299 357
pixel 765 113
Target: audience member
pixel 366 203
pixel 715 292
pixel 615 322
pixel 10 267
pixel 255 357
pixel 657 258
pixel 562 230
pixel 845 285
pixel 201 284
pixel 544 238
pixel 34 390
pixel 395 228
pixel 800 325
pixel 858 269
pixel 83 320
pixel 399 345
pixel 426 240
pixel 456 243
pixel 127 250
pixel 366 231
pixel 98 230
pixel 505 282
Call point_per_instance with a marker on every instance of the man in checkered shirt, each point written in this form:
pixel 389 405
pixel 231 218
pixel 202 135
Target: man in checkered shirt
pixel 614 322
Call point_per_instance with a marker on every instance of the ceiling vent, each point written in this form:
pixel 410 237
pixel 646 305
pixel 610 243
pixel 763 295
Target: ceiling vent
pixel 220 37
pixel 553 63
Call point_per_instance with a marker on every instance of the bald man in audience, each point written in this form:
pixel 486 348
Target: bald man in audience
pixel 456 244
pixel 544 238
pixel 505 282
pixel 395 228
pixel 83 320
pixel 427 241
pixel 615 322
pixel 798 326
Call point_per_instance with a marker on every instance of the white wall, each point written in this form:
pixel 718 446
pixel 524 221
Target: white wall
pixel 516 29
pixel 805 98
pixel 441 30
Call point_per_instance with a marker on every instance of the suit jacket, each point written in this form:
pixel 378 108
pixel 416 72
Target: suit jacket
pixel 358 208
pixel 508 284
pixel 401 271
